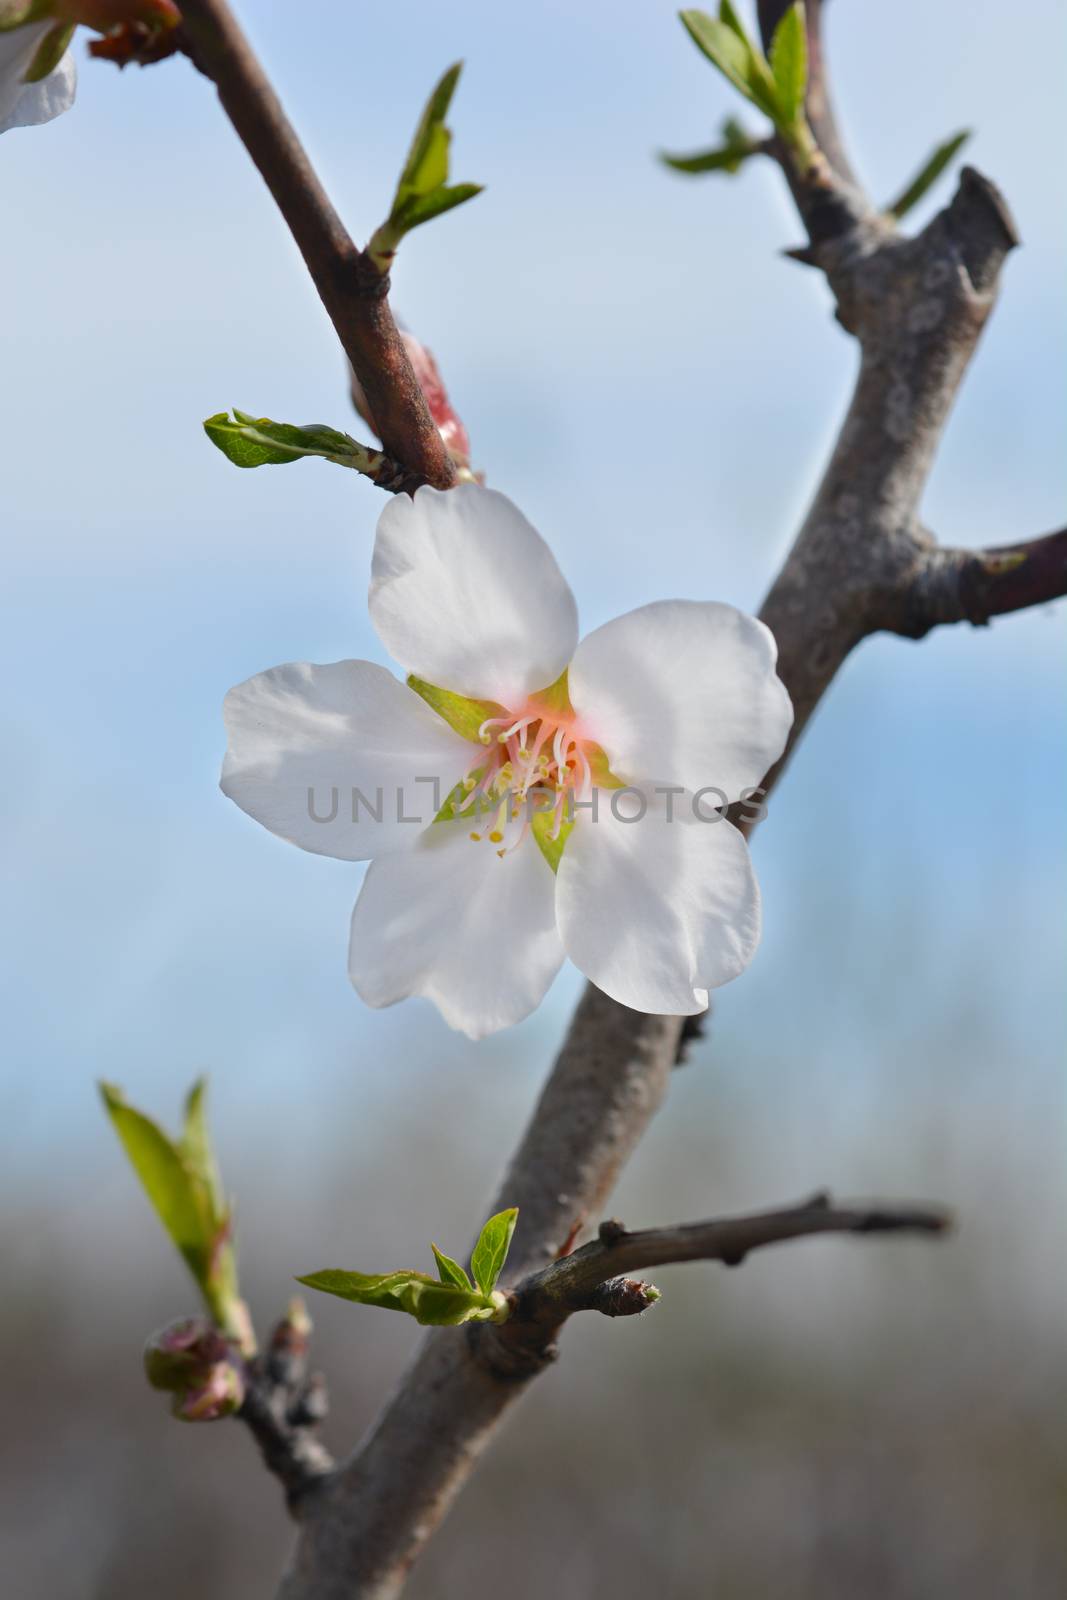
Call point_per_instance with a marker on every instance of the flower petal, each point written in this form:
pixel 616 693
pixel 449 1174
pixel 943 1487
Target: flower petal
pixel 24 105
pixel 309 746
pixel 684 691
pixel 466 594
pixel 657 911
pixel 451 920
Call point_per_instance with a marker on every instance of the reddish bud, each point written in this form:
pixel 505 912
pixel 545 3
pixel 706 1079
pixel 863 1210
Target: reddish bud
pixel 427 373
pixel 193 1361
pixel 219 1395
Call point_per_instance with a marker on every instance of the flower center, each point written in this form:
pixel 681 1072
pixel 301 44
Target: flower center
pixel 536 767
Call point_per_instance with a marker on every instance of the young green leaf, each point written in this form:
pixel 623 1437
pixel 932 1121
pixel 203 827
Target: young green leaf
pixel 197 1152
pixel 728 47
pixel 431 1303
pixel 365 1288
pixel 928 174
pixel 424 207
pixel 426 167
pixel 491 1251
pixel 450 1271
pixel 789 63
pixel 423 192
pixel 181 1201
pixel 735 149
pixel 250 441
pixel 181 1180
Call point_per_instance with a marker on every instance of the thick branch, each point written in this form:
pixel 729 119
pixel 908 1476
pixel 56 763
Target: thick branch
pixel 974 585
pixel 916 308
pixel 368 1524
pixel 917 311
pixel 353 292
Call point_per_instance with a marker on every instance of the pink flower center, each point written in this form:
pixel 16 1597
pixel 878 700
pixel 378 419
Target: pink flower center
pixel 536 763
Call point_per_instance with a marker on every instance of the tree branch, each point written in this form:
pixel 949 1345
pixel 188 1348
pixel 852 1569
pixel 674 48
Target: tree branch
pixel 283 1408
pixel 916 307
pixel 544 1300
pixel 975 585
pixel 350 287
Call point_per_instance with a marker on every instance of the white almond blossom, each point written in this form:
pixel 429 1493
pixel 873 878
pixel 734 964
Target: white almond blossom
pixel 523 796
pixel 22 104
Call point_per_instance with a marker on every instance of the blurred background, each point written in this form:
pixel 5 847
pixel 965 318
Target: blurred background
pixel 657 388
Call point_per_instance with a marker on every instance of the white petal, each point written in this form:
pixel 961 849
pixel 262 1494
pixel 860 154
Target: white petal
pixel 22 104
pixel 466 594
pixel 657 911
pixel 304 739
pixel 684 691
pixel 451 920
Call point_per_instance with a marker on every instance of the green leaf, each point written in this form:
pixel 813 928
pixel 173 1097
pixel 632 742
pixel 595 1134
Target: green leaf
pixel 928 174
pixel 423 192
pixel 789 62
pixel 426 167
pixel 721 46
pixel 491 1251
pixel 197 1152
pixel 431 1303
pixel 181 1179
pixel 735 149
pixel 462 715
pixel 180 1199
pixel 423 208
pixel 250 441
pixel 721 159
pixel 365 1288
pixel 450 1271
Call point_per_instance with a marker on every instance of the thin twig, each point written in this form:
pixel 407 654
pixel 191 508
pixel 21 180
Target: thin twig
pixel 595 1278
pixel 353 291
pixel 566 1285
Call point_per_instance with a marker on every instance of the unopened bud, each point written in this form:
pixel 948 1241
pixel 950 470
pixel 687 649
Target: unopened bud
pixel 288 1348
pixel 174 1355
pixel 623 1297
pixel 193 1361
pixel 453 433
pixel 219 1395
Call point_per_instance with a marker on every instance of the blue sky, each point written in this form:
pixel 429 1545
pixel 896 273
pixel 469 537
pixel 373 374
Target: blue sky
pixel 642 371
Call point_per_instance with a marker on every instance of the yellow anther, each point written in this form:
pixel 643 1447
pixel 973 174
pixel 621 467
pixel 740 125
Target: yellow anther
pixel 474 837
pixel 496 836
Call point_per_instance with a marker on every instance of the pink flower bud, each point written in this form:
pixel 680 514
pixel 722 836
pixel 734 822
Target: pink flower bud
pixel 193 1361
pixel 219 1395
pixel 449 425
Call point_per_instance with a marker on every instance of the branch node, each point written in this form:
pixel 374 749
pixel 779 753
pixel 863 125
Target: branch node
pixel 611 1231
